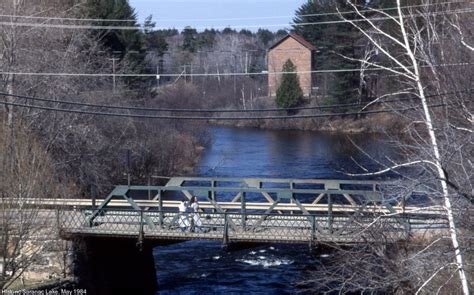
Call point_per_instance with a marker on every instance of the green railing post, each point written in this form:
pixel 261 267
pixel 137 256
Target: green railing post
pixel 243 210
pixel 94 196
pixel 149 184
pixel 141 234
pixel 160 208
pixel 330 217
pixel 292 186
pixel 226 230
pixel 212 194
pixel 129 180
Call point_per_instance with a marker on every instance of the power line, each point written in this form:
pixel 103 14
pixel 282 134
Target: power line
pixel 136 28
pixel 216 74
pixel 180 110
pixel 317 14
pixel 238 52
pixel 46 18
pixel 129 108
pixel 203 118
pixel 226 19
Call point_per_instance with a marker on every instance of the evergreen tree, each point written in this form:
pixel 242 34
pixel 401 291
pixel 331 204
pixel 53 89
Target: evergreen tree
pixel 190 42
pixel 154 40
pixel 117 40
pixel 264 36
pixel 127 45
pixel 228 30
pixel 281 33
pixel 169 32
pixel 289 93
pixel 246 33
pixel 333 40
pixel 207 38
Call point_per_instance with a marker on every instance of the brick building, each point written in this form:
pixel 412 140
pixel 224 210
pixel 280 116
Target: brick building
pixel 300 52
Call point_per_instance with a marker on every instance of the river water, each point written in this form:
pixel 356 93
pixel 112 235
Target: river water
pixel 199 267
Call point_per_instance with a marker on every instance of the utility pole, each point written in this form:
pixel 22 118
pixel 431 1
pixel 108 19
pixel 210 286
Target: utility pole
pixel 246 61
pixel 235 77
pixel 158 76
pixel 113 59
pixel 158 69
pixel 129 180
pixel 191 73
pixel 185 73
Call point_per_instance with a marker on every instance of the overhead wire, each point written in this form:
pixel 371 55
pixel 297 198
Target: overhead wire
pixel 203 118
pixel 224 74
pixel 174 51
pixel 181 110
pixel 206 74
pixel 66 18
pixel 114 27
pixel 227 19
pixel 221 118
pixel 320 14
pixel 196 74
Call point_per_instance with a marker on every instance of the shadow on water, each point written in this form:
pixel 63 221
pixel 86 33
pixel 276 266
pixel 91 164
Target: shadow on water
pixel 198 267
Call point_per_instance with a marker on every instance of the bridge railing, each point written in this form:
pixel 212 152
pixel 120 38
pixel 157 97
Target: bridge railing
pixel 262 195
pixel 235 226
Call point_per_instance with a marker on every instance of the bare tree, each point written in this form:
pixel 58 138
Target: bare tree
pixel 425 52
pixel 409 51
pixel 26 175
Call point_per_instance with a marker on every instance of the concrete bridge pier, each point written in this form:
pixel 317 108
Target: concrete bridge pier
pixel 114 266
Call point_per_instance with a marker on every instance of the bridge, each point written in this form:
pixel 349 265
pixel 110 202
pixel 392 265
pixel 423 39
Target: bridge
pixel 123 228
pixel 252 210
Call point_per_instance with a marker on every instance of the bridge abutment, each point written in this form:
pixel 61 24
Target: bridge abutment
pixel 114 265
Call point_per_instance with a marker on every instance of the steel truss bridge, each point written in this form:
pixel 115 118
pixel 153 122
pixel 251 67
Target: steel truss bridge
pixel 252 210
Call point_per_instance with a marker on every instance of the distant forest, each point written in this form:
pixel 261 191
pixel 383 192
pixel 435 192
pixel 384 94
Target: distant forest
pixel 206 60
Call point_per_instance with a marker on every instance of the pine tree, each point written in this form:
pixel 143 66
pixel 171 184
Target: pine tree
pixel 154 40
pixel 207 38
pixel 128 45
pixel 264 36
pixel 289 93
pixel 333 40
pixel 117 40
pixel 190 42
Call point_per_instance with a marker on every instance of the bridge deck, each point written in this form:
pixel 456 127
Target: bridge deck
pixel 234 227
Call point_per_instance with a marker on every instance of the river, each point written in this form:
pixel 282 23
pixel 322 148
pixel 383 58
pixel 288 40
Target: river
pixel 197 267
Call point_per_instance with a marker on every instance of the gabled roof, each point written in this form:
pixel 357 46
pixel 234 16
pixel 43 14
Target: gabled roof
pixel 298 38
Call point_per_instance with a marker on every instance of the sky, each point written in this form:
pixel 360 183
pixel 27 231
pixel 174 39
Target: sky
pixel 219 14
